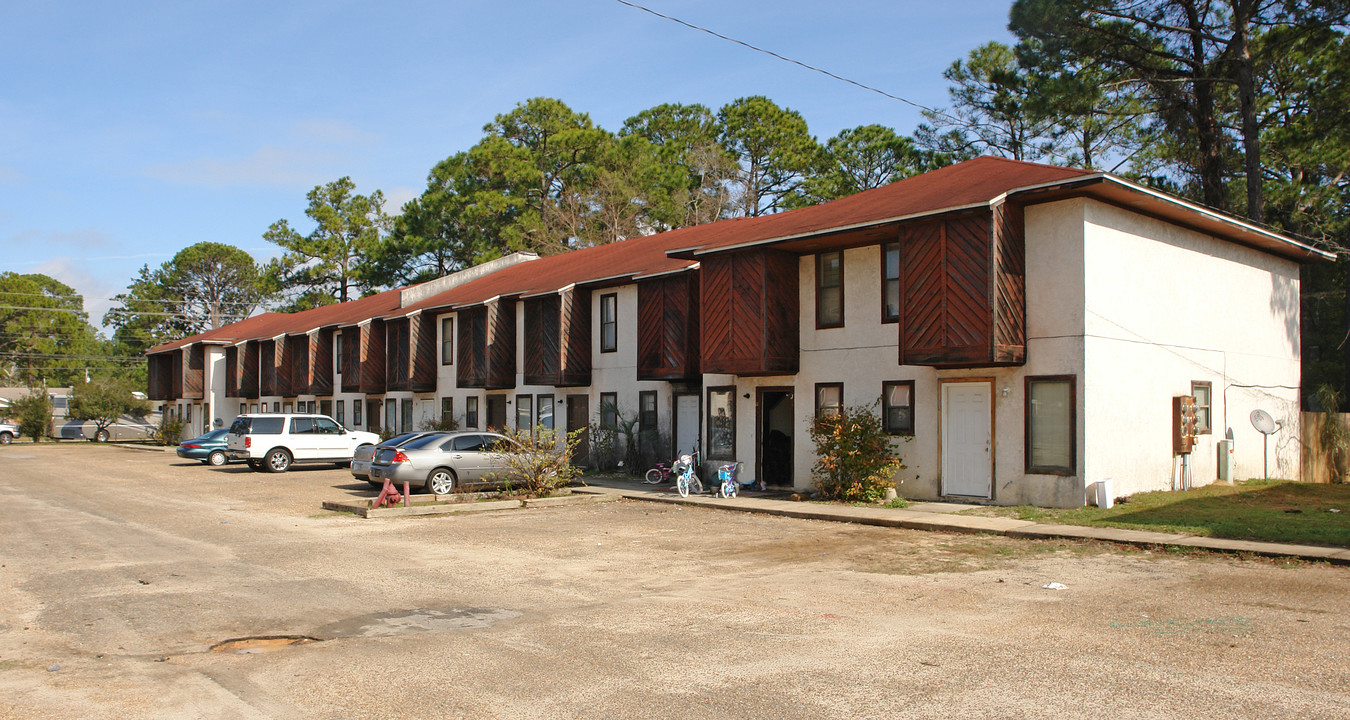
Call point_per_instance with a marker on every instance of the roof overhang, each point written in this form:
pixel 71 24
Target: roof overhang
pixel 1147 201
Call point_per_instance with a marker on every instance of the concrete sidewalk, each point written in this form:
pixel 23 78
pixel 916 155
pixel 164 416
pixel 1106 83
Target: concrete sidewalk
pixel 941 517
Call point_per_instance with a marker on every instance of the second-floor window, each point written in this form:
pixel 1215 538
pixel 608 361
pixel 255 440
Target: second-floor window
pixel 890 282
pixel 609 322
pixel 447 341
pixel 830 289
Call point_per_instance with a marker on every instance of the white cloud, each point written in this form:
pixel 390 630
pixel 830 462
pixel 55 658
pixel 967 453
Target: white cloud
pixel 96 290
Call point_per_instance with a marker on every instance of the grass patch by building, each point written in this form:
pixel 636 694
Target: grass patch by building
pixel 1268 510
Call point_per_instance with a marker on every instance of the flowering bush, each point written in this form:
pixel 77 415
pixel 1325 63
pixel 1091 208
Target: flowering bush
pixel 855 458
pixel 537 462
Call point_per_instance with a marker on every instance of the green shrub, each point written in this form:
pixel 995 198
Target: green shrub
pixel 855 458
pixel 441 424
pixel 169 432
pixel 33 414
pixel 538 463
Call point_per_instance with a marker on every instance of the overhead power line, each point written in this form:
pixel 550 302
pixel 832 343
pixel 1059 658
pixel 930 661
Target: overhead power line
pixel 786 59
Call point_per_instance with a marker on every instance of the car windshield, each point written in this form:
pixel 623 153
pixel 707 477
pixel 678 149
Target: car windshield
pixel 422 442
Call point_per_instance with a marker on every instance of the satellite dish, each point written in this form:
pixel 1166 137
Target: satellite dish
pixel 1263 422
pixel 1266 425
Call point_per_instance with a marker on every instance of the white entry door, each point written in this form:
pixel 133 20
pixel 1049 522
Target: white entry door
pixel 686 423
pixel 966 439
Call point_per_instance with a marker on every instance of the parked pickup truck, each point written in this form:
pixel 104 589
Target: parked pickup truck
pixel 275 441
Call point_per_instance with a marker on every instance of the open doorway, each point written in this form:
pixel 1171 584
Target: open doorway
pixel 773 444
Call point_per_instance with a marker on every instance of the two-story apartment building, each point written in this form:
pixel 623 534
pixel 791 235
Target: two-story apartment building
pixel 1021 328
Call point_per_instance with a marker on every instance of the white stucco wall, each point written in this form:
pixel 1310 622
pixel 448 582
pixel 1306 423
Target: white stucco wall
pixel 1168 306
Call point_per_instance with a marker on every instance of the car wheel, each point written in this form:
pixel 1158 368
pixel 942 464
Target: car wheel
pixel 6 438
pixel 278 461
pixel 102 436
pixel 441 481
pixel 216 458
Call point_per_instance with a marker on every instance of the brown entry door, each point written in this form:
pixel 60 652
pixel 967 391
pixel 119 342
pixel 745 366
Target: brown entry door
pixel 775 437
pixel 579 416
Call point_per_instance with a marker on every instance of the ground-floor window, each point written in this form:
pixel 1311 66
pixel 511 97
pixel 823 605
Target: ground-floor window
pixel 829 398
pixel 722 423
pixel 326 407
pixel 1203 394
pixel 544 403
pixel 288 407
pixel 341 414
pixel 391 415
pixel 471 413
pixel 406 421
pixel 1051 425
pixel 524 413
pixel 447 411
pixel 609 410
pixel 897 407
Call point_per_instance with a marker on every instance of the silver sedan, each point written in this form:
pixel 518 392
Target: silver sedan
pixel 362 457
pixel 444 463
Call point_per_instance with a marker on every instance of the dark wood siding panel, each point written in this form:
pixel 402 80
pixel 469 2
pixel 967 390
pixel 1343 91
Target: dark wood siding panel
pixel 426 353
pixel 471 358
pixel 194 371
pixel 232 371
pixel 748 312
pixel 782 334
pixel 715 307
pixel 397 339
pixel 957 285
pixel 321 362
pixel 267 367
pixel 501 344
pixel 668 328
pixel 284 375
pixel 542 334
pixel 351 361
pixel 373 363
pixel 1010 320
pixel 297 355
pixel 157 370
pixel 248 370
pixel 574 338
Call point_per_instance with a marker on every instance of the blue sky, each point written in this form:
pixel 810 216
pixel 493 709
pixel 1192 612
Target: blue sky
pixel 131 130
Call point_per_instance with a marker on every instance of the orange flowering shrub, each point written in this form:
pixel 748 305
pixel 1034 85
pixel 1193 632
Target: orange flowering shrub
pixel 855 458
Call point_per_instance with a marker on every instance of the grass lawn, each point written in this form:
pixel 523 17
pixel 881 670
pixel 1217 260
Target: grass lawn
pixel 1270 510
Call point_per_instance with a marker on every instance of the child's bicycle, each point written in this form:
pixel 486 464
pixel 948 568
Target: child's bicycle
pixel 686 475
pixel 729 475
pixel 658 474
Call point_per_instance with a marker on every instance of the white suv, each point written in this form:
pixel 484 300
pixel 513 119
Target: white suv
pixel 273 442
pixel 8 431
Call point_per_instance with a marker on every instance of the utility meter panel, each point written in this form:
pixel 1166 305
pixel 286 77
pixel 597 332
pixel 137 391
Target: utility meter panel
pixel 1183 424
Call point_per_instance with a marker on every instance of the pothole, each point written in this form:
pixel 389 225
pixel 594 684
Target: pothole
pixel 408 622
pixel 260 644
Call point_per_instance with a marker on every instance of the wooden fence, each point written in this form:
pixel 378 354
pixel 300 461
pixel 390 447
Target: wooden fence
pixel 1319 463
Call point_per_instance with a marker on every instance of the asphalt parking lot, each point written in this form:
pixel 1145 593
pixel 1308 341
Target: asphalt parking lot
pixel 121 569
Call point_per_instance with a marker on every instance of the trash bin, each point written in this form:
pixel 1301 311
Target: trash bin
pixel 1105 498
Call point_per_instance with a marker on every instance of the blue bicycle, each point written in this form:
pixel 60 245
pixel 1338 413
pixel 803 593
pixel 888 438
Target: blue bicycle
pixel 686 477
pixel 729 475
